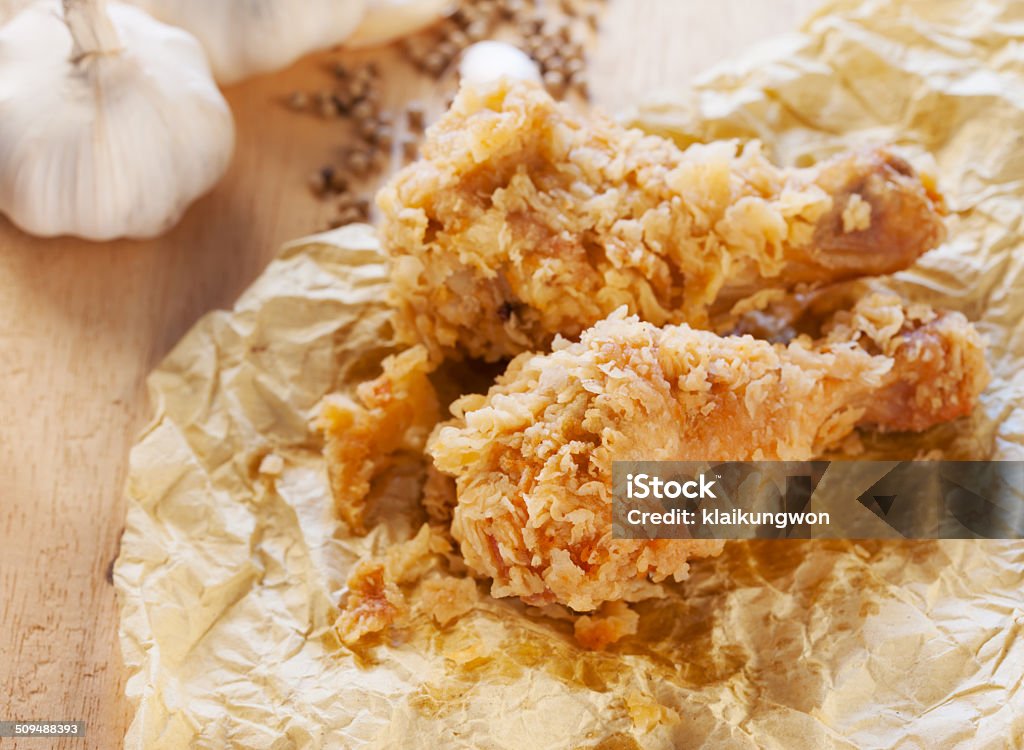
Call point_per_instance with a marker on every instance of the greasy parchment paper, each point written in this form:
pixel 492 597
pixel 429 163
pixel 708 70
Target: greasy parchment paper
pixel 232 563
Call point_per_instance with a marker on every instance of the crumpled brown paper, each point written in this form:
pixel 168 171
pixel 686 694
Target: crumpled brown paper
pixel 232 562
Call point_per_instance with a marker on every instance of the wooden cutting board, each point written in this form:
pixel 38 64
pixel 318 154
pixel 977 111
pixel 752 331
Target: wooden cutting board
pixel 82 324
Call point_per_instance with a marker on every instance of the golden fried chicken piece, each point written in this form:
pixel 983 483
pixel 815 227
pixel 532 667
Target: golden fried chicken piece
pixel 525 219
pixel 533 458
pixel 394 412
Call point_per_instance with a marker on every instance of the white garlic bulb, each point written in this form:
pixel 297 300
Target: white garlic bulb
pixel 387 20
pixel 110 122
pixel 246 37
pixel 488 61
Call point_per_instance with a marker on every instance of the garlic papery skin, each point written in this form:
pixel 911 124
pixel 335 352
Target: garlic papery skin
pixel 388 20
pixel 110 122
pixel 246 37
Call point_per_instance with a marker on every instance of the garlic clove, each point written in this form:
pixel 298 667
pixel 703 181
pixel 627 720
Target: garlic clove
pixel 488 61
pixel 388 20
pixel 115 143
pixel 243 39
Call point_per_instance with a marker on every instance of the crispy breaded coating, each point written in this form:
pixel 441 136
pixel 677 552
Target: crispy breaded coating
pixel 938 361
pixel 533 458
pixel 394 412
pixel 525 219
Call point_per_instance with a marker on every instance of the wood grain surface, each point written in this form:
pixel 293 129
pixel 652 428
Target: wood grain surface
pixel 82 324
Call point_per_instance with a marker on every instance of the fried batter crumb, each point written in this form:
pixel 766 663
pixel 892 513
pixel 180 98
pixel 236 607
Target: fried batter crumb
pixel 375 601
pixel 392 413
pixel 614 621
pixel 409 561
pixel 856 215
pixel 447 599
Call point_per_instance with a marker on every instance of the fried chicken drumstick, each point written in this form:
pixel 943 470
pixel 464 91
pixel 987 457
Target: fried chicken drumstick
pixel 525 219
pixel 533 458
